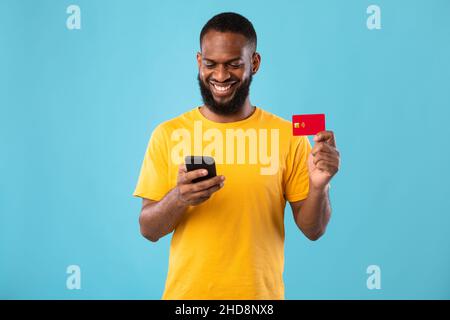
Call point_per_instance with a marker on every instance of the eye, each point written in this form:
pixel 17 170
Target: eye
pixel 209 64
pixel 235 65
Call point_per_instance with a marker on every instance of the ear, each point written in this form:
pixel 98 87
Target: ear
pixel 256 62
pixel 199 59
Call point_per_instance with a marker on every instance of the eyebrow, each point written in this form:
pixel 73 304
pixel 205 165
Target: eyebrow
pixel 228 61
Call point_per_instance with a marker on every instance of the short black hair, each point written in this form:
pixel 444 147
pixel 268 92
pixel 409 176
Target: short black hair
pixel 231 22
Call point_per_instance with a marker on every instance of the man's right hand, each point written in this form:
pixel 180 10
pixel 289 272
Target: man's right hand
pixel 196 193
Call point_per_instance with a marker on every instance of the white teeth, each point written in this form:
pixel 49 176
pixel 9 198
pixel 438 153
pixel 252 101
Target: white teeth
pixel 222 89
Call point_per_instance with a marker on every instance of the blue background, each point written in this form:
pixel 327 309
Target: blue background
pixel 78 107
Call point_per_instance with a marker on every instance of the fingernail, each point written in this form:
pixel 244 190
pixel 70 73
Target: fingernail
pixel 204 172
pixel 222 178
pixel 221 184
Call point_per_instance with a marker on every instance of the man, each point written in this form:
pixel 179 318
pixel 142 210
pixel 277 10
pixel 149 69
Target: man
pixel 228 240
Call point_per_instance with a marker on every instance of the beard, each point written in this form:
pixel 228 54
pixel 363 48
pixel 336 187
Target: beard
pixel 231 107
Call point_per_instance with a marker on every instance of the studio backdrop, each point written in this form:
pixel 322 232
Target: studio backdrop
pixel 84 83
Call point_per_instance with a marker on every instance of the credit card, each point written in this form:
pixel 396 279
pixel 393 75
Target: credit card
pixel 307 124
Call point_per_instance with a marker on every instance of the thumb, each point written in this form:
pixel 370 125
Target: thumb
pixel 182 168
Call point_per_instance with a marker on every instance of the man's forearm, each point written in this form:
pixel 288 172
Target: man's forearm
pixel 315 213
pixel 160 218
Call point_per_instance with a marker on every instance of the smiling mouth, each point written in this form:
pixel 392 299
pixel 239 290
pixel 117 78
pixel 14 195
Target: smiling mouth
pixel 222 89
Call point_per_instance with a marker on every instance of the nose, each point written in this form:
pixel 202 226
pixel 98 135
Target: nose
pixel 221 74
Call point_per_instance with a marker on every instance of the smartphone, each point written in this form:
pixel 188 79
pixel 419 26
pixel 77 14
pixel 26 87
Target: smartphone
pixel 201 162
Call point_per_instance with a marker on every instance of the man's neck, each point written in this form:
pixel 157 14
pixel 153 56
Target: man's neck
pixel 245 112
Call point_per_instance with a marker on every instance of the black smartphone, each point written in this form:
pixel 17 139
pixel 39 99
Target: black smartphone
pixel 201 162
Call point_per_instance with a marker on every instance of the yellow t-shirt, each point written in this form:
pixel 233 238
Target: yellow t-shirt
pixel 232 245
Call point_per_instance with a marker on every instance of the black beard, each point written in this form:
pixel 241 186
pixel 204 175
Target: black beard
pixel 233 106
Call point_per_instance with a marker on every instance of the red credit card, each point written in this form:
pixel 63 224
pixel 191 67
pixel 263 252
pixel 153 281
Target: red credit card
pixel 307 124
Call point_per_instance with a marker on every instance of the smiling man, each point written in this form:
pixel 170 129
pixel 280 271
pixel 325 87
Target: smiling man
pixel 228 237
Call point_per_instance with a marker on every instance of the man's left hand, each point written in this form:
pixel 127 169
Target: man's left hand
pixel 323 161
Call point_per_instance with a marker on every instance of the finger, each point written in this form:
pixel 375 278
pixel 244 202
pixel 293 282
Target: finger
pixel 199 197
pixel 322 147
pixel 202 185
pixel 330 162
pixel 181 173
pixel 328 166
pixel 187 195
pixel 182 168
pixel 324 156
pixel 326 136
pixel 194 174
pixel 199 200
pixel 206 193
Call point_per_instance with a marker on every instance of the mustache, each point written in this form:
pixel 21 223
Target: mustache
pixel 223 82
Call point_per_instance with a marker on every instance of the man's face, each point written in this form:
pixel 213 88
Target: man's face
pixel 226 65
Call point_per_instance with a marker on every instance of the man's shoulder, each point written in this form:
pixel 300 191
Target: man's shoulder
pixel 275 120
pixel 175 122
pixel 285 126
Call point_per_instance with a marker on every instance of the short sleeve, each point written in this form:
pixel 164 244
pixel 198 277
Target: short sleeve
pixel 296 177
pixel 153 182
